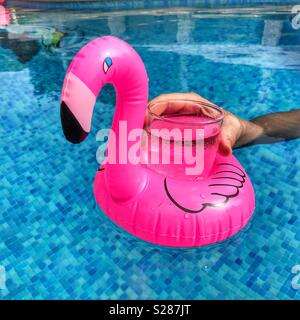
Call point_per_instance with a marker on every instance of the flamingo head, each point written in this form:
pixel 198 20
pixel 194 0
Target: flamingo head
pixel 77 104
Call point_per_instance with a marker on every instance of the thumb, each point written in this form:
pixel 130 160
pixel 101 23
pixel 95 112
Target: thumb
pixel 225 146
pixel 230 132
pixel 228 140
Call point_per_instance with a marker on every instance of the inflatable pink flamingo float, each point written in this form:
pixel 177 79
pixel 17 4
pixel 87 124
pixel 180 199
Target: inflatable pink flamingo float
pixel 153 206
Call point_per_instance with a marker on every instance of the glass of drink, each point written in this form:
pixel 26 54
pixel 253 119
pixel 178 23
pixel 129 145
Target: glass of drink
pixel 182 137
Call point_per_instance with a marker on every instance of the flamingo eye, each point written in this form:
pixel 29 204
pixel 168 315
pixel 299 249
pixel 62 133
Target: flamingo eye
pixel 107 63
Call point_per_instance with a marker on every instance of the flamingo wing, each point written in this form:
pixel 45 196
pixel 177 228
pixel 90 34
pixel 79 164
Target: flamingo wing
pixel 225 183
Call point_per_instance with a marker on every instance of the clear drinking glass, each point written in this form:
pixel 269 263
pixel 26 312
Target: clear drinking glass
pixel 182 137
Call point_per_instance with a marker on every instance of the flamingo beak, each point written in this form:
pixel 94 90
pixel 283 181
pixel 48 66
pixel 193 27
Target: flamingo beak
pixel 76 108
pixel 72 129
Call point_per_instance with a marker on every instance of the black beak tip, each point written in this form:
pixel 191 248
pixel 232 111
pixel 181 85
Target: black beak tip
pixel 70 125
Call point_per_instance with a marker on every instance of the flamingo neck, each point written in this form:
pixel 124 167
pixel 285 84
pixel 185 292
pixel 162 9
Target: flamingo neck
pixel 126 178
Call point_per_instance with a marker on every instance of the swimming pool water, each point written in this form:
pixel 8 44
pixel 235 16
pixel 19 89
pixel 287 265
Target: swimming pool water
pixel 55 243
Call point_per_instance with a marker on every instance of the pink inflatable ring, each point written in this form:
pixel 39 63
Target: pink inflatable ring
pixel 152 206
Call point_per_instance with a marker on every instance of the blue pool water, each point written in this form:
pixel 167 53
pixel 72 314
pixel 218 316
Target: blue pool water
pixel 55 242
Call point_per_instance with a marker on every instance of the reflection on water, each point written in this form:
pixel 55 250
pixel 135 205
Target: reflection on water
pixel 4 16
pixel 182 44
pixel 261 37
pixel 253 55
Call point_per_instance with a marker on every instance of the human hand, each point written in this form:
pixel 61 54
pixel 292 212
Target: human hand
pixel 232 130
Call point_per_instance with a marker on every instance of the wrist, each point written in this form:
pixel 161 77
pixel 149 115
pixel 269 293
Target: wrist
pixel 249 133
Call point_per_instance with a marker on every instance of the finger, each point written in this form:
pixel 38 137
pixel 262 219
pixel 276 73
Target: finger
pixel 178 95
pixel 187 107
pixel 229 134
pixel 182 103
pixel 225 147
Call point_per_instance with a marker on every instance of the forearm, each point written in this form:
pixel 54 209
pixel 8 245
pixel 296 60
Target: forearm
pixel 270 128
